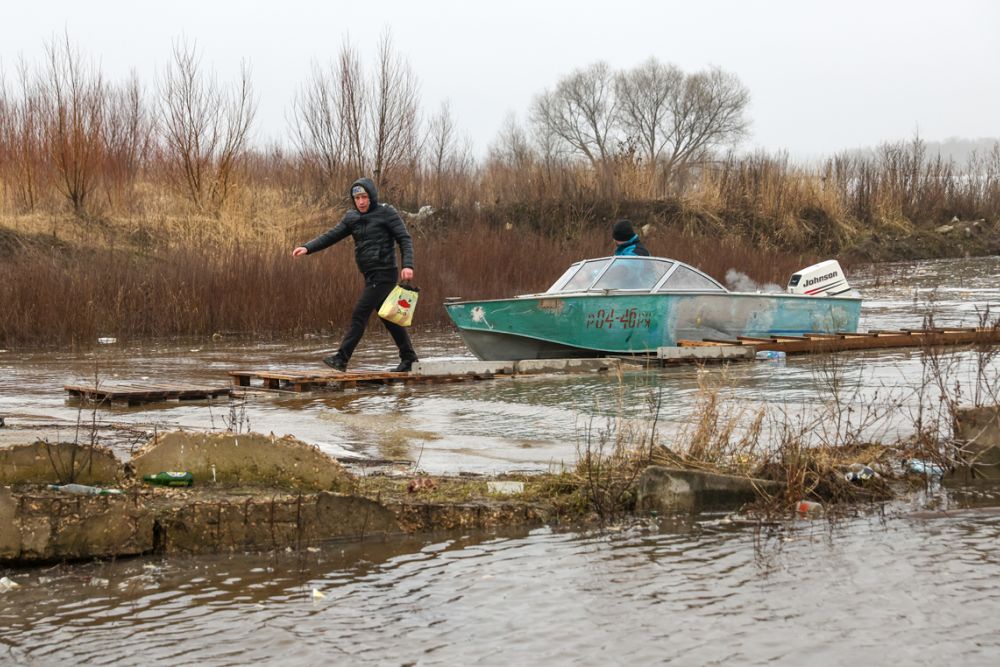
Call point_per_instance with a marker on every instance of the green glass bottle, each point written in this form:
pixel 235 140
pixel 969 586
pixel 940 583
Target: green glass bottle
pixel 170 478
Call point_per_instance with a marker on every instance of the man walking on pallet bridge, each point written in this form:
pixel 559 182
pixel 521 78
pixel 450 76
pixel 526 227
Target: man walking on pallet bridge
pixel 376 229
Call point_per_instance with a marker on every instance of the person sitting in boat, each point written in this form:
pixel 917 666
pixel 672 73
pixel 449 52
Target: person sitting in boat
pixel 626 240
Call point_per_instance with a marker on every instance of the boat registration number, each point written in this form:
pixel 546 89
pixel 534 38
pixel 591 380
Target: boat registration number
pixel 630 318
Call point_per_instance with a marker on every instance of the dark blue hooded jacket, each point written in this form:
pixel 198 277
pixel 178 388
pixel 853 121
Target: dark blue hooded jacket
pixel 375 234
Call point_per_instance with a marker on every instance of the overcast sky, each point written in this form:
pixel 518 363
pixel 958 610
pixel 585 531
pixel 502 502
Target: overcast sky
pixel 823 76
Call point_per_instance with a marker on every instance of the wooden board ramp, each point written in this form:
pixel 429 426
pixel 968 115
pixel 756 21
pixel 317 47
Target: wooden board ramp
pixel 872 340
pixel 135 393
pixel 303 381
pixel 432 372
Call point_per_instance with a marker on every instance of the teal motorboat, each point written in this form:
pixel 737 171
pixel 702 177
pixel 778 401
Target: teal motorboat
pixel 634 305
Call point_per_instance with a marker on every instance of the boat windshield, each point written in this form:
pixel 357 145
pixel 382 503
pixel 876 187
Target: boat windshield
pixel 685 279
pixel 563 279
pixel 633 273
pixel 638 273
pixel 582 279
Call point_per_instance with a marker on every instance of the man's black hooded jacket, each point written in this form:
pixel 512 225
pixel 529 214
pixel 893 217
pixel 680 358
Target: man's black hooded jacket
pixel 375 234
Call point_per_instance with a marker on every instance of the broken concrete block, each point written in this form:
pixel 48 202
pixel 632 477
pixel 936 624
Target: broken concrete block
pixel 242 459
pixel 52 527
pixel 431 368
pixel 979 431
pixel 706 352
pixel 58 463
pixel 278 522
pixel 504 488
pixel 564 365
pixel 665 489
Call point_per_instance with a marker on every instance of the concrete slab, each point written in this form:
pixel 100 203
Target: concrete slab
pixel 444 368
pixel 504 488
pixel 57 463
pixel 241 459
pixel 526 366
pixel 979 431
pixel 706 353
pixel 674 489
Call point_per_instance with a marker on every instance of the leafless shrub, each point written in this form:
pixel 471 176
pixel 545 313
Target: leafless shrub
pixel 330 123
pixel 394 118
pixel 76 107
pixel 724 434
pixel 447 157
pixel 613 455
pixel 128 140
pixel 23 159
pixel 204 126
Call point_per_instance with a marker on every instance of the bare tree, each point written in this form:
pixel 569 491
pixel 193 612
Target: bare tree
pixel 330 120
pixel 204 126
pixel 394 112
pixel 447 154
pixel 707 112
pixel 645 96
pixel 75 98
pixel 512 147
pixel 581 112
pixel 128 137
pixel 26 163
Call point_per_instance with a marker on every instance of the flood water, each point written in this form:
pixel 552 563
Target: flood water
pixel 911 582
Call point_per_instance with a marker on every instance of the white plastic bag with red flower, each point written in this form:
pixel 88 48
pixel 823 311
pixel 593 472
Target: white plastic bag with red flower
pixel 398 307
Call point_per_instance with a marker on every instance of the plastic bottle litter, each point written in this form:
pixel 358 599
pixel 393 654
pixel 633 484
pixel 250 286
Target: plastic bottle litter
pixel 808 507
pixel 925 468
pixel 85 490
pixel 170 478
pixel 770 354
pixel 859 473
pixel 107 340
pixel 7 584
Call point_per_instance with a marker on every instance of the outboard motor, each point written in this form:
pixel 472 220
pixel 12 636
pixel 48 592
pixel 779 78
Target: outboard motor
pixel 823 279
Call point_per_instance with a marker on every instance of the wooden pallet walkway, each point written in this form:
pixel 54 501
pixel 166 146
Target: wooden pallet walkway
pixel 303 381
pixel 135 393
pixel 875 339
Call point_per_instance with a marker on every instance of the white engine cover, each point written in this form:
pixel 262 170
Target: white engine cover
pixel 823 279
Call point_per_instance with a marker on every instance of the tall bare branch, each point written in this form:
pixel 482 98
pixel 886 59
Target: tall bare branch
pixel 76 106
pixel 205 127
pixel 394 112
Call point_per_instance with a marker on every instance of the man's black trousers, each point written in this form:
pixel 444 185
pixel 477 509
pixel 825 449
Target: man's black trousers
pixel 377 287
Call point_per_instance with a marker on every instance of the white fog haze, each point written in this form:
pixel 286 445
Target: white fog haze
pixel 822 77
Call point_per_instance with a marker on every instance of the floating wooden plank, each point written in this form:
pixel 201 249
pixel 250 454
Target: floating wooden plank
pixel 134 393
pixel 871 340
pixel 303 381
pixel 423 372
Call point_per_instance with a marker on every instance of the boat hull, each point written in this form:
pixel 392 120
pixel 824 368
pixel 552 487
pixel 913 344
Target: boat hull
pixel 551 326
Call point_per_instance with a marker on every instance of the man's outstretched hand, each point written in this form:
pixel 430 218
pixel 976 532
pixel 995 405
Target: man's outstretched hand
pixel 301 250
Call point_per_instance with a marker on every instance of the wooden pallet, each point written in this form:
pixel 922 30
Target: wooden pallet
pixel 134 393
pixel 303 381
pixel 875 339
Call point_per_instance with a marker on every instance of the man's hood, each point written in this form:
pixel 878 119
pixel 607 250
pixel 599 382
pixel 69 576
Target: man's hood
pixel 370 188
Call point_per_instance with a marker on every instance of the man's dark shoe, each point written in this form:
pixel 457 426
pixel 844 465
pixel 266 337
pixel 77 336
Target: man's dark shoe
pixel 405 366
pixel 335 362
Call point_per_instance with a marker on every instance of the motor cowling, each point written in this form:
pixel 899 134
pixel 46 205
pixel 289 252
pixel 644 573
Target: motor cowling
pixel 823 279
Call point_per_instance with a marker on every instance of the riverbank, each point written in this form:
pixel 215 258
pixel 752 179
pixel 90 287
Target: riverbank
pixel 261 493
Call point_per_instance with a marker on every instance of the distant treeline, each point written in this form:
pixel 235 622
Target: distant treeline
pixel 72 140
